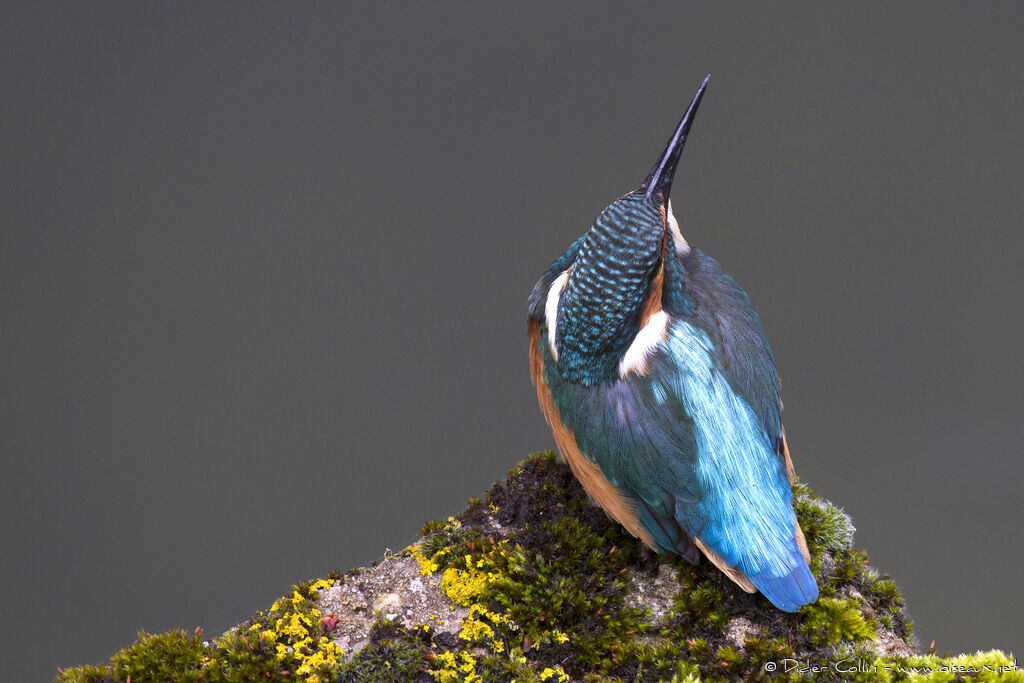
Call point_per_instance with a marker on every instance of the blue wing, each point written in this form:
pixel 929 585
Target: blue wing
pixel 721 309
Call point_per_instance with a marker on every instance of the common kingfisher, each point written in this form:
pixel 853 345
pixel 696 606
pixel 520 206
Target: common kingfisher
pixel 654 373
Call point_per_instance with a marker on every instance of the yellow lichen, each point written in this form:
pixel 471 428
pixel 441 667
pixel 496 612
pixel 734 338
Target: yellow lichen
pixel 473 629
pixel 556 672
pixel 454 668
pixel 477 627
pixel 324 659
pixel 464 584
pixel 428 565
pixel 295 634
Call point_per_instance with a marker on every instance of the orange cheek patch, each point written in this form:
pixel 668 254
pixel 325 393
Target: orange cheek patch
pixel 653 303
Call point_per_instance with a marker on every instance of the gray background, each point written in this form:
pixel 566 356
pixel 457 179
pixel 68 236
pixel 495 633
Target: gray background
pixel 264 272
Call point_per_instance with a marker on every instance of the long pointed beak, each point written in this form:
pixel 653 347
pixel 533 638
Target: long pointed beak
pixel 659 181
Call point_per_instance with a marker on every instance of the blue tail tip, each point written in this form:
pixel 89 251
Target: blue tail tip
pixel 791 591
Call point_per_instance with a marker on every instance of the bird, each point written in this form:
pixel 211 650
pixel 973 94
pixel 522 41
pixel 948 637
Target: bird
pixel 653 371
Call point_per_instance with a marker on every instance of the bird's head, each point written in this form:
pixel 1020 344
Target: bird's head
pixel 606 289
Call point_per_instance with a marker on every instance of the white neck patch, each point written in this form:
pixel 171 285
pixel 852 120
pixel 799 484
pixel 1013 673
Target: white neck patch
pixel 647 340
pixel 682 246
pixel 551 309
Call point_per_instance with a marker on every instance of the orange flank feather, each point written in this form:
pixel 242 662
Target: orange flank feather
pixel 735 574
pixel 801 542
pixel 790 472
pixel 602 491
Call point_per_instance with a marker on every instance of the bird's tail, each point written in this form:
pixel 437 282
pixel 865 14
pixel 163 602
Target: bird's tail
pixel 791 591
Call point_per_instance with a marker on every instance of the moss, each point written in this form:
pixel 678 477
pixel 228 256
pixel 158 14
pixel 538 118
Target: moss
pixel 701 602
pixel 827 528
pixel 84 674
pixel 981 666
pixel 431 526
pixel 829 621
pixel 548 586
pixel 394 654
pixel 284 643
pixel 170 657
pixel 446 542
pixel 164 658
pixel 242 657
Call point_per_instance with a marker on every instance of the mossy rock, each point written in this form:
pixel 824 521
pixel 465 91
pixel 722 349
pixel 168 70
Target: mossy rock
pixel 534 583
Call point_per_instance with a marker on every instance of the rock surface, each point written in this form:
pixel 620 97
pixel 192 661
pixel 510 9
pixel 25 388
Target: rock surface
pixel 534 583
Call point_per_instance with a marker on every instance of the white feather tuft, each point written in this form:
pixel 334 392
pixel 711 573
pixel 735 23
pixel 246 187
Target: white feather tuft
pixel 647 339
pixel 682 246
pixel 551 309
